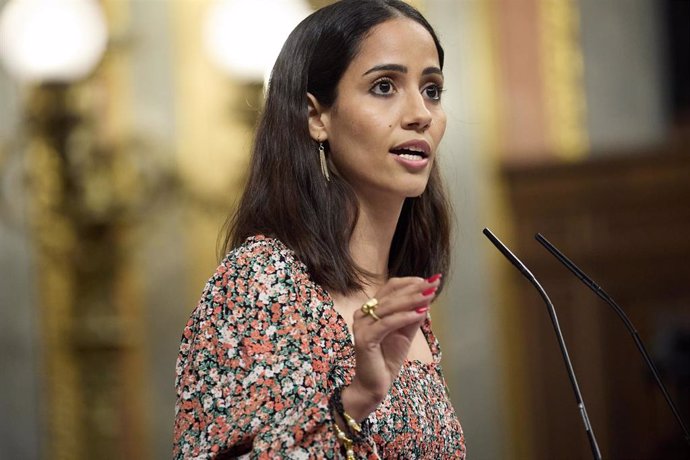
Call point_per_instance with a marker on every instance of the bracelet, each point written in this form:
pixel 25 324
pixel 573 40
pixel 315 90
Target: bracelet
pixel 345 441
pixel 357 431
pixel 354 426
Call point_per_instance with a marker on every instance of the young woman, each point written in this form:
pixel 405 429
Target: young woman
pixel 313 338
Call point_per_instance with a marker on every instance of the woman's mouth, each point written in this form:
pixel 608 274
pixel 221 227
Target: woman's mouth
pixel 411 154
pixel 413 158
pixel 414 150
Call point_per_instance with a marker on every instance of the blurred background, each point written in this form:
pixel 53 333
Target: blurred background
pixel 125 127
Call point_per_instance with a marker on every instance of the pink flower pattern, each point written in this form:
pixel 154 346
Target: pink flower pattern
pixel 260 357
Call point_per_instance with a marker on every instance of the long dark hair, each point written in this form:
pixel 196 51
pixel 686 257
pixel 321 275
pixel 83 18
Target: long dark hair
pixel 288 198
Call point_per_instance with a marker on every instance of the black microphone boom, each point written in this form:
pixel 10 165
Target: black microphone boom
pixel 621 314
pixel 559 335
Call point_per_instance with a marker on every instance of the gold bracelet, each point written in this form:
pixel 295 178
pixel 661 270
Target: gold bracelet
pixel 345 441
pixel 352 423
pixel 357 431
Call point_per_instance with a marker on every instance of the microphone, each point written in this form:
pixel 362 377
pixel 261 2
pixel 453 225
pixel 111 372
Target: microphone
pixel 621 314
pixel 596 453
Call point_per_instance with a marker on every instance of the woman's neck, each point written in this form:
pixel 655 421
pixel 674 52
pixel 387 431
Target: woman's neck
pixel 371 239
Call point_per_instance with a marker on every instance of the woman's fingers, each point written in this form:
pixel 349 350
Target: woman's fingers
pixel 370 332
pixel 382 342
pixel 383 350
pixel 396 285
pixel 378 331
pixel 401 294
pixel 391 307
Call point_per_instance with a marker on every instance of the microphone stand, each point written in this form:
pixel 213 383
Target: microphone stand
pixel 621 314
pixel 596 453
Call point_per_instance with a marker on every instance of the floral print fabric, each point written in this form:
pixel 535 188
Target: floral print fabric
pixel 260 357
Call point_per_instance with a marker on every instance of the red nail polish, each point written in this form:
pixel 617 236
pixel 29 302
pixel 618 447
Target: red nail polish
pixel 433 278
pixel 429 291
pixel 421 310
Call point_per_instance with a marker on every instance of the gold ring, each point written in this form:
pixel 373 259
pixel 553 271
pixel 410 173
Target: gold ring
pixel 369 308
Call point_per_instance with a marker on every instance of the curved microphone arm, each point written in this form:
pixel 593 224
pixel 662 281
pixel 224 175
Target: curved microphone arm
pixel 596 453
pixel 621 314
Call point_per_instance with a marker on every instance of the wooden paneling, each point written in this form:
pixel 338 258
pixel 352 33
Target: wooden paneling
pixel 625 220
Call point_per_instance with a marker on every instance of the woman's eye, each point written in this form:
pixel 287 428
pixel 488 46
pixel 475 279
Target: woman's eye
pixel 383 87
pixel 433 92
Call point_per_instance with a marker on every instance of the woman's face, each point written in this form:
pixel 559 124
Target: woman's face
pixel 387 121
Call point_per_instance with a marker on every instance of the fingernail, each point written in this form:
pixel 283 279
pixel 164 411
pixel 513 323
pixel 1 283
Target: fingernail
pixel 421 310
pixel 433 278
pixel 429 291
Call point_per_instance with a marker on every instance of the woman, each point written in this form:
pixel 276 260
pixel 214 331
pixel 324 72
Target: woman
pixel 313 339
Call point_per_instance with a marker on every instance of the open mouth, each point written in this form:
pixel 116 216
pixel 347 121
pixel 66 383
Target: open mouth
pixel 412 154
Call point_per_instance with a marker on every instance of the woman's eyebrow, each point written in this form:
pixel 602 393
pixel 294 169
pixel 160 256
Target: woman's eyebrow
pixel 389 67
pixel 401 69
pixel 432 71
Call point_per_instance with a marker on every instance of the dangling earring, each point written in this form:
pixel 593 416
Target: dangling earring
pixel 322 160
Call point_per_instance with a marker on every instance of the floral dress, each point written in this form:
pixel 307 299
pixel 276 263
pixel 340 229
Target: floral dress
pixel 263 352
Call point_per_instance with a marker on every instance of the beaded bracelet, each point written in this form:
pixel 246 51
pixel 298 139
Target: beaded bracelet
pixel 345 441
pixel 356 430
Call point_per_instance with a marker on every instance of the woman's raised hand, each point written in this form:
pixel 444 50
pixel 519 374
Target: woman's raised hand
pixel 382 345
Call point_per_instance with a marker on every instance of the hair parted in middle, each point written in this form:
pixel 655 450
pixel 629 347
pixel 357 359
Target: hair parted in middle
pixel 287 196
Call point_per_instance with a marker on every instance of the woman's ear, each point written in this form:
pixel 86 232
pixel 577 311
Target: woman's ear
pixel 318 119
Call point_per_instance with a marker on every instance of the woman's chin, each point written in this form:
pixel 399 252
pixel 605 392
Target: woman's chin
pixel 415 191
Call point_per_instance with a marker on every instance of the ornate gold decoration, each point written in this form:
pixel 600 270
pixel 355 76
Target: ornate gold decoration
pixel 55 282
pixel 562 76
pixel 85 196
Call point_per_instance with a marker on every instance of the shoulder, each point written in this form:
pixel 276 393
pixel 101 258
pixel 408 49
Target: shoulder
pixel 258 249
pixel 261 255
pixel 261 269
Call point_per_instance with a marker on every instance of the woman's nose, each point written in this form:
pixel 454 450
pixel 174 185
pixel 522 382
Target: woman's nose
pixel 417 115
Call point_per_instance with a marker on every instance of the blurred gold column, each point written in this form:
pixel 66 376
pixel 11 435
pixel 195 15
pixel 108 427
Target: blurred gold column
pixel 55 240
pixel 537 114
pixel 542 105
pixel 89 305
pixel 129 420
pixel 563 70
pixel 519 436
pixel 213 141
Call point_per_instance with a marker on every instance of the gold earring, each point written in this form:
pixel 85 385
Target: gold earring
pixel 322 160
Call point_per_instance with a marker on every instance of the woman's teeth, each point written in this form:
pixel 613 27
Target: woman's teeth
pixel 410 156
